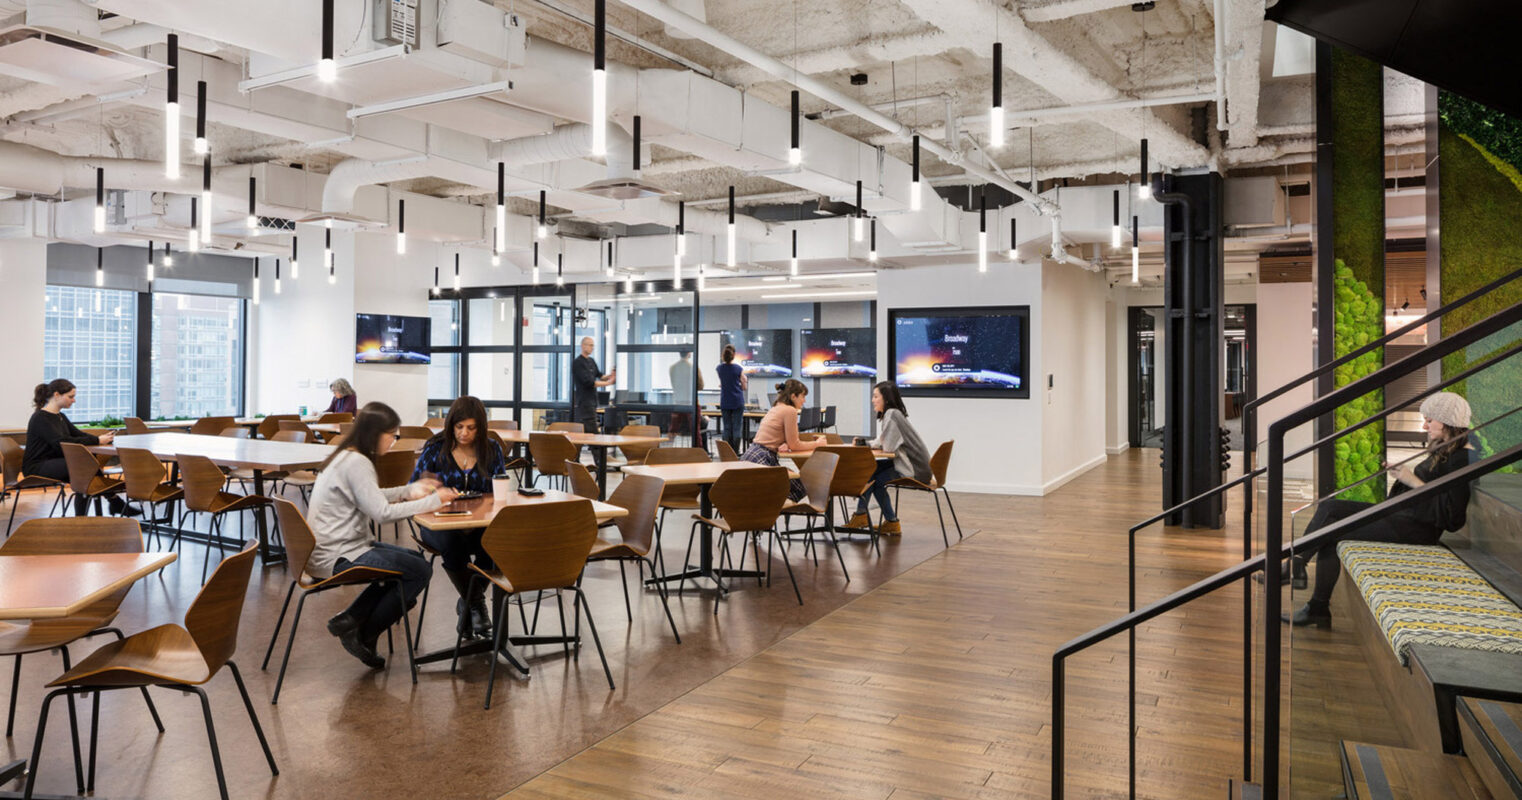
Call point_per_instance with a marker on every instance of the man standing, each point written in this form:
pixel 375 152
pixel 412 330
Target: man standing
pixel 586 379
pixel 681 380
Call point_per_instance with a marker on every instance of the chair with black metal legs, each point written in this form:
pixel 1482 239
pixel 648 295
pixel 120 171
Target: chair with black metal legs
pixel 144 476
pixel 817 473
pixel 852 479
pixel 640 495
pixel 538 547
pixel 676 498
pixel 726 453
pixel 173 656
pixel 747 501
pixel 936 487
pixel 299 544
pixel 550 451
pixel 68 536
pixel 203 495
pixel 85 477
pixel 11 456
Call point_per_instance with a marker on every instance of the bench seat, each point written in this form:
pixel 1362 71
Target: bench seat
pixel 1423 594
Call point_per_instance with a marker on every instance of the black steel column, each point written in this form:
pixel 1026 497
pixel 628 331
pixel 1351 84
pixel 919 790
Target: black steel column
pixel 1325 258
pixel 1194 270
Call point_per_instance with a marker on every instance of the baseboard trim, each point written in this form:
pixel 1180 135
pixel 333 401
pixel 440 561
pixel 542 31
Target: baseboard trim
pixel 1057 482
pixel 1117 450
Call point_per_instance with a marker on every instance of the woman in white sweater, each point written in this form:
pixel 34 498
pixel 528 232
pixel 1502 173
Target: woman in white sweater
pixel 910 457
pixel 345 499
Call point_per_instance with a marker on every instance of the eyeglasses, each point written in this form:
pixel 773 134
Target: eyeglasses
pixel 395 436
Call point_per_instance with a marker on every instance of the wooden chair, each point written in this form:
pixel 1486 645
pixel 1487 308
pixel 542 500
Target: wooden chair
pixel 294 424
pixel 567 427
pixel 170 655
pixel 537 548
pixel 509 462
pixel 85 478
pixel 746 501
pixel 853 476
pixel 677 498
pixel 135 426
pixel 936 487
pixel 235 432
pixel 640 495
pixel 302 479
pixel 299 544
pixel 146 481
pixel 634 454
pixel 203 495
pixel 11 456
pixel 394 469
pixel 68 536
pixel 582 484
pixel 270 425
pixel 502 424
pixel 335 418
pixel 726 453
pixel 817 474
pixel 211 426
pixel 416 432
pixel 434 424
pixel 549 452
pixel 297 432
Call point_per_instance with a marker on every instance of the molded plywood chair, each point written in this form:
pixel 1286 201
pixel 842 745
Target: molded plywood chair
pixel 394 469
pixel 178 657
pixel 502 424
pixel 434 423
pixel 635 453
pixel 211 426
pixel 302 479
pixel 550 451
pixel 726 453
pixel 203 495
pixel 270 425
pixel 567 427
pixel 135 426
pixel 817 474
pixel 747 501
pixel 677 498
pixel 582 484
pixel 416 432
pixel 294 425
pixel 299 544
pixel 11 456
pixel 85 477
pixel 853 476
pixel 640 495
pixel 335 418
pixel 144 478
pixel 936 487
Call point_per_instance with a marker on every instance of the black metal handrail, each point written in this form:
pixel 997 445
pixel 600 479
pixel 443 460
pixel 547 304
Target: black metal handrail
pixel 1242 571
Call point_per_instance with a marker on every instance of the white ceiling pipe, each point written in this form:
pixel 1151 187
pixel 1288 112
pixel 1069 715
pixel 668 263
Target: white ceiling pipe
pixel 567 142
pixel 31 169
pixel 1239 38
pixel 875 50
pixel 823 91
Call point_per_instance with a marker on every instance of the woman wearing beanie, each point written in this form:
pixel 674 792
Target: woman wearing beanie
pixel 1446 421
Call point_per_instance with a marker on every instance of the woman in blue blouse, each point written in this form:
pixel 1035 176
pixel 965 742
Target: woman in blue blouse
pixel 464 458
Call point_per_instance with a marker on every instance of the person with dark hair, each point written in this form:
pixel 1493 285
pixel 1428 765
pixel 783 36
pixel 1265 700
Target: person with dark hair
pixel 910 457
pixel 345 499
pixel 778 432
pixel 48 428
pixel 1446 421
pixel 732 387
pixel 463 457
pixel 586 379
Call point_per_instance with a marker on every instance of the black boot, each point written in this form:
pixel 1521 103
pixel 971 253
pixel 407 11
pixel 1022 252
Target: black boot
pixel 1292 573
pixel 480 615
pixel 346 628
pixel 460 579
pixel 1314 612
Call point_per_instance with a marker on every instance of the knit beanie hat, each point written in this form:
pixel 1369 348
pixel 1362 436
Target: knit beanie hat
pixel 1447 408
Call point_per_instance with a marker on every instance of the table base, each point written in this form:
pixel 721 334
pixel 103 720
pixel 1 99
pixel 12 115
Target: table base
pixel 16 770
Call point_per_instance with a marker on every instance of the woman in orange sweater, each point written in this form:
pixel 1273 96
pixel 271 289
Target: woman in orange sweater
pixel 778 432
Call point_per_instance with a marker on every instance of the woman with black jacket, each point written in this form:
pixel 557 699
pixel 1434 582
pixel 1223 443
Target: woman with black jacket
pixel 1446 420
pixel 49 428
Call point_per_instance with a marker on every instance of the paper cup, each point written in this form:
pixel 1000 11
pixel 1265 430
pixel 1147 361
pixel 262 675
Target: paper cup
pixel 501 487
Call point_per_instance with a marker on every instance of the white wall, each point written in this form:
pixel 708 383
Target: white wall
pixel 1072 384
pixel 23 270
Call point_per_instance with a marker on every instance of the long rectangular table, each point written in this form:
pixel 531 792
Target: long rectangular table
pixel 599 442
pixel 258 455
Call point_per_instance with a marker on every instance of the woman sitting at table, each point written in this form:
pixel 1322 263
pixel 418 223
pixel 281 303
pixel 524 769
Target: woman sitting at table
pixel 345 499
pixel 49 428
pixel 344 401
pixel 910 457
pixel 778 432
pixel 463 457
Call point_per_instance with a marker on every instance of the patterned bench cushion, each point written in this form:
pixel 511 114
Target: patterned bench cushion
pixel 1426 595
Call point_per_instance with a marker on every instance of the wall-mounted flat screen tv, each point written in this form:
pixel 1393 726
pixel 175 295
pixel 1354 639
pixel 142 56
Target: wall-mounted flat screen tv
pixel 839 353
pixel 386 339
pixel 962 352
pixel 766 353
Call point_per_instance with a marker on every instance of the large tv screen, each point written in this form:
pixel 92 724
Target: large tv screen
pixel 839 353
pixel 766 353
pixel 384 339
pixel 975 352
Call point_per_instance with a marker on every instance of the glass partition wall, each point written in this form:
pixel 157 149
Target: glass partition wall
pixel 653 333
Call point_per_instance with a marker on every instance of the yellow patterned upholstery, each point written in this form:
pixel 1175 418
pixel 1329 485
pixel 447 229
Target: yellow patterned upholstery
pixel 1425 595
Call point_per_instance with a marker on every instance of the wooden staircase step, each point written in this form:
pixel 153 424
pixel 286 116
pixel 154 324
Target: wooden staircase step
pixel 1381 772
pixel 1492 732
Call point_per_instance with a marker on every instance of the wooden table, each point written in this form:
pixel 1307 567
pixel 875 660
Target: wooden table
pixel 50 587
pixel 161 423
pixel 482 511
pixel 599 442
pixel 702 474
pixel 258 455
pixel 801 458
pixel 253 423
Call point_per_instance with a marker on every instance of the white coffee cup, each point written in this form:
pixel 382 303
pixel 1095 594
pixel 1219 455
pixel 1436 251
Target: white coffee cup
pixel 501 487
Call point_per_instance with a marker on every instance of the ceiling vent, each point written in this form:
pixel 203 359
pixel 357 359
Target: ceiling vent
pixel 59 58
pixel 623 189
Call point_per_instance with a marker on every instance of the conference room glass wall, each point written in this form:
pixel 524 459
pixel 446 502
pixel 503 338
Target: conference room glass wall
pixel 651 329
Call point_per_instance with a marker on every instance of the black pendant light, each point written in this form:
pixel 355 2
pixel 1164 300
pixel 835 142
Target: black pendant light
pixel 544 229
pixel 730 231
pixel 599 78
pixel 253 216
pixel 277 276
pixel 401 227
pixel 857 220
pixel 172 111
pixel 295 268
pixel 1144 188
pixel 983 231
pixel 560 268
pixel 914 177
pixel 327 68
pixel 100 200
pixel 502 206
pixel 201 147
pixel 635 133
pixel 795 150
pixel 996 110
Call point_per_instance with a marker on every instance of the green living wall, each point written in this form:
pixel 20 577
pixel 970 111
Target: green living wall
pixel 1480 201
pixel 1358 245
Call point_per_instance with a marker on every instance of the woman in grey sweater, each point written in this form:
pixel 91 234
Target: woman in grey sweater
pixel 910 457
pixel 345 499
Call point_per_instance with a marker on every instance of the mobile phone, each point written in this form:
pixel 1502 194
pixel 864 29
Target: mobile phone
pixel 530 491
pixel 451 513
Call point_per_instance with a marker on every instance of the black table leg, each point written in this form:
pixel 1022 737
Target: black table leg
pixel 16 770
pixel 601 454
pixel 266 554
pixel 706 567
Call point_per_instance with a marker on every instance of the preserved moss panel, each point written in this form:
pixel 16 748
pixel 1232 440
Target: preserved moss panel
pixel 1358 244
pixel 1481 205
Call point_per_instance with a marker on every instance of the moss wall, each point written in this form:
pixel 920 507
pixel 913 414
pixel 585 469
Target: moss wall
pixel 1358 245
pixel 1480 197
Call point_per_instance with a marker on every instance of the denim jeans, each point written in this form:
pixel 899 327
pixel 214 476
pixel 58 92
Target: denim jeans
pixel 734 426
pixel 458 548
pixel 377 607
pixel 879 489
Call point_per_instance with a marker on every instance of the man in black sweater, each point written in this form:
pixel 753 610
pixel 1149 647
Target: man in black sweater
pixel 586 379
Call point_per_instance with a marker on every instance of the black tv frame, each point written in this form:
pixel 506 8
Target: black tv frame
pixel 1023 313
pixel 427 350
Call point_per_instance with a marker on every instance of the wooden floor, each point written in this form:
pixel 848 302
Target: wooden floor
pixel 927 675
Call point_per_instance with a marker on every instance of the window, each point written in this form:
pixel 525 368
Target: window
pixel 444 332
pixel 197 356
pixel 90 338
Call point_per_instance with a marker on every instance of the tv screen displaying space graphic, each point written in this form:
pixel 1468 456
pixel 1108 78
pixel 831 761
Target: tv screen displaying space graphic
pixel 385 339
pixel 839 353
pixel 766 353
pixel 973 352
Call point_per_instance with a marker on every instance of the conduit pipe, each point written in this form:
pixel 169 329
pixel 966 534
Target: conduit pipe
pixel 676 19
pixel 1060 253
pixel 568 142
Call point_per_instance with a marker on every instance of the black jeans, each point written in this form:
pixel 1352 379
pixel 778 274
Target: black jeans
pixel 1398 528
pixel 734 426
pixel 458 548
pixel 879 489
pixel 377 607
